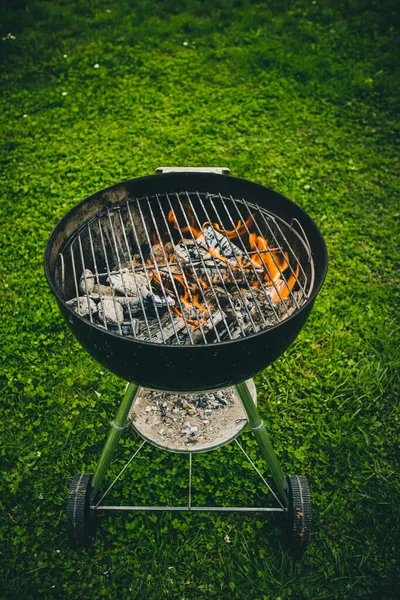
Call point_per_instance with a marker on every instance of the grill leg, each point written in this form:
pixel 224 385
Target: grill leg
pixel 117 427
pixel 257 427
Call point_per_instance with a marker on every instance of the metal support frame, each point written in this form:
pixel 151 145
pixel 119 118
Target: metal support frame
pixel 256 425
pixel 117 427
pixel 189 506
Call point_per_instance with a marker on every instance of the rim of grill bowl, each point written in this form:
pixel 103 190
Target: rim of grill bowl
pixel 311 293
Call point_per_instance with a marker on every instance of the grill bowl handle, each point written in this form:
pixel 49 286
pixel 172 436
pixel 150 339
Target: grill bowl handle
pixel 216 170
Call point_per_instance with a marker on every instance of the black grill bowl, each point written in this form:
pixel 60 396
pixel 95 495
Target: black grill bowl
pixel 191 367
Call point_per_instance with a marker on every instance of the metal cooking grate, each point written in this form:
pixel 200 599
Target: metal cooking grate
pixel 216 268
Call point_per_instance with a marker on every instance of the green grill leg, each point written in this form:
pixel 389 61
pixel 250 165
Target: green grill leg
pixel 115 433
pixel 257 427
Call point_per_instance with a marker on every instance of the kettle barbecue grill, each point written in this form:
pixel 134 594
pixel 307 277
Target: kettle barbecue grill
pixel 186 281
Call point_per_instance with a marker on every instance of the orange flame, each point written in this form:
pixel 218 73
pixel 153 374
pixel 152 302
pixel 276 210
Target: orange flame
pixel 197 304
pixel 240 229
pixel 285 288
pixel 191 229
pixel 273 261
pixel 270 262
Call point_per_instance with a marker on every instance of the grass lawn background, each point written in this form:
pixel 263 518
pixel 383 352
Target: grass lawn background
pixel 299 96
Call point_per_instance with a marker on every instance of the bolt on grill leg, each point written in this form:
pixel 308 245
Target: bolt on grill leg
pixel 117 427
pixel 257 427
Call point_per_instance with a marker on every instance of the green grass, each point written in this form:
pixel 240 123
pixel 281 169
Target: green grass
pixel 300 97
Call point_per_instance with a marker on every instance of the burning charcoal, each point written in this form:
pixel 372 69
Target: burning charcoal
pixel 188 251
pixel 83 306
pixel 101 290
pixel 286 308
pixel 160 302
pixel 172 326
pixel 219 243
pixel 210 324
pixel 129 303
pixel 218 272
pixel 245 308
pixel 129 328
pixel 159 254
pixel 136 262
pixel 110 311
pixel 130 284
pixel 169 248
pixel 166 273
pixel 86 282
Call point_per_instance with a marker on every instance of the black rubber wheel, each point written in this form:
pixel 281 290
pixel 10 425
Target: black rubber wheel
pixel 299 516
pixel 80 523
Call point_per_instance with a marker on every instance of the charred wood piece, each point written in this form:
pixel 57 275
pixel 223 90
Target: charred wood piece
pixel 208 326
pixel 214 240
pixel 101 290
pixel 169 329
pixel 86 282
pixel 188 251
pixel 83 305
pixel 218 273
pixel 110 311
pixel 130 284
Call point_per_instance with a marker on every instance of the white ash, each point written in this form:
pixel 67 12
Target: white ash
pixel 86 282
pixel 212 239
pixel 129 283
pixel 187 251
pixel 101 290
pixel 160 302
pixel 131 328
pixel 186 420
pixel 110 311
pixel 83 305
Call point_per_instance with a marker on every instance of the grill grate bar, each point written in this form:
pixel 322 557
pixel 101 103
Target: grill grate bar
pixel 120 265
pixel 128 248
pixel 172 278
pixel 271 254
pixel 201 261
pixel 108 271
pixel 96 273
pixel 171 239
pixel 205 268
pixel 216 266
pixel 251 262
pixel 276 222
pixel 134 231
pixel 239 262
pixel 206 274
pixel 242 302
pixel 259 254
pixel 248 271
pixel 307 246
pixel 159 276
pixel 281 273
pixel 74 273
